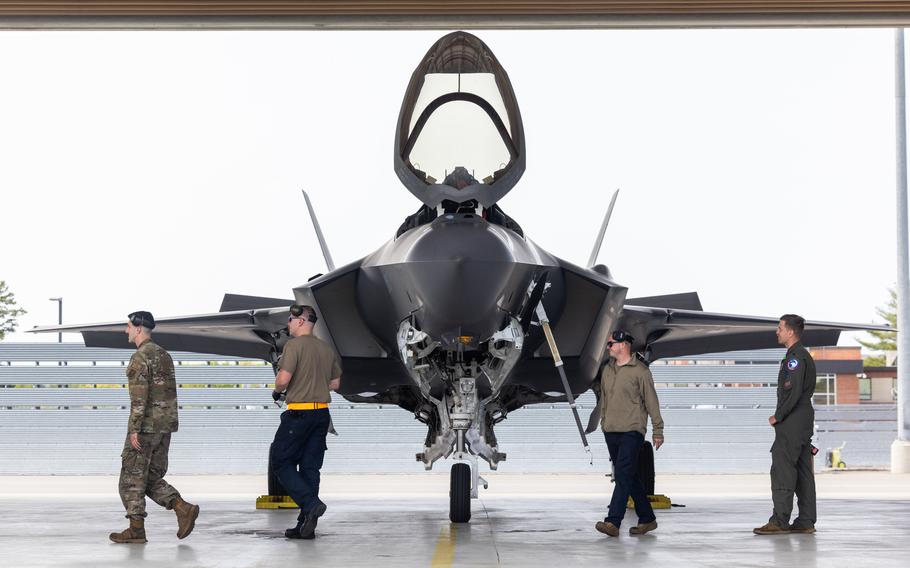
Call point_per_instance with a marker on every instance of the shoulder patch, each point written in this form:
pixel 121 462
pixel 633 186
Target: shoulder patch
pixel 793 364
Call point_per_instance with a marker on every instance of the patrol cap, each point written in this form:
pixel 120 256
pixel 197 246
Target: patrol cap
pixel 620 335
pixel 142 318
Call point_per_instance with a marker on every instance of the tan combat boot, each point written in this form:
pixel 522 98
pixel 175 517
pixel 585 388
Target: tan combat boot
pixel 643 528
pixel 770 528
pixel 608 529
pixel 133 535
pixel 186 517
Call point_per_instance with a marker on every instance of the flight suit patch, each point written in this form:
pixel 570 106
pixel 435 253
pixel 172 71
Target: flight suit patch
pixel 788 384
pixel 793 364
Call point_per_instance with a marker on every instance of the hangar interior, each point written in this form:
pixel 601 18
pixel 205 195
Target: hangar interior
pixel 58 419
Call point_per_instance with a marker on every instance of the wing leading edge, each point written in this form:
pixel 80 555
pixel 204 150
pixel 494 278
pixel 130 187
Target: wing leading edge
pixel 241 333
pixel 667 332
pixel 258 332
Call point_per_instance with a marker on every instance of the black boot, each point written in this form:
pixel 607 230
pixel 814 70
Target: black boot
pixel 308 529
pixel 294 532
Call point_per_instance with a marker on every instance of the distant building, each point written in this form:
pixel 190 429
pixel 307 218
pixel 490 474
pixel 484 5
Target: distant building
pixel 879 384
pixel 842 378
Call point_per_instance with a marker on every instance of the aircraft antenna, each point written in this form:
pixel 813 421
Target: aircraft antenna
pixel 325 249
pixel 603 230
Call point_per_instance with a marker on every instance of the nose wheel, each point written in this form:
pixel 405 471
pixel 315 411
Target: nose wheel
pixel 464 484
pixel 460 493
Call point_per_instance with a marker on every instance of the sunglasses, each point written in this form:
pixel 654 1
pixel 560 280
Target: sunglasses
pixel 292 318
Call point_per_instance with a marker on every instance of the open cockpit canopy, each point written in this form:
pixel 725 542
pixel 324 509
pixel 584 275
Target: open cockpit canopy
pixel 459 134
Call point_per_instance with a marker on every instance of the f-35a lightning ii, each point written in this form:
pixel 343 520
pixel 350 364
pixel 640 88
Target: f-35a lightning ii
pixel 448 319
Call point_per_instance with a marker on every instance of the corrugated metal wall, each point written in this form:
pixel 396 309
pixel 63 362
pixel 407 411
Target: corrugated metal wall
pixel 58 429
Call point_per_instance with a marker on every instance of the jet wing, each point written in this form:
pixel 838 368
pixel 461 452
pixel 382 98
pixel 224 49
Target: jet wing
pixel 664 326
pixel 240 333
pixel 667 332
pixel 367 368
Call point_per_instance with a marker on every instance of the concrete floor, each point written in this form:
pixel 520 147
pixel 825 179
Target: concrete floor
pixel 402 521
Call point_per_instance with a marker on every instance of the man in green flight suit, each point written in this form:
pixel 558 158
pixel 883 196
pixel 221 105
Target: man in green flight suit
pixel 792 467
pixel 153 417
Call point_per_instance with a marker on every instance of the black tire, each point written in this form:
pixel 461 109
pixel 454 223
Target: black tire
pixel 646 468
pixel 460 493
pixel 275 487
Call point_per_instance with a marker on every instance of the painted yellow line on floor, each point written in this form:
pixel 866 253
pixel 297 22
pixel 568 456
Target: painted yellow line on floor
pixel 445 548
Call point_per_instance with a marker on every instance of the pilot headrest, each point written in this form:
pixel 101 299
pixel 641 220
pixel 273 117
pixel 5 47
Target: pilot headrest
pixel 460 178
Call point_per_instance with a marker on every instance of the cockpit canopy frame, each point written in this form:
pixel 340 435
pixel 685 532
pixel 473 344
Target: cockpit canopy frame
pixel 459 53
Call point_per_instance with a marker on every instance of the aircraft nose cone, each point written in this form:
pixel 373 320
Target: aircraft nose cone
pixel 462 271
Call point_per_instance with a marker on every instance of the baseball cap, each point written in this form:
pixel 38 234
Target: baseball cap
pixel 620 335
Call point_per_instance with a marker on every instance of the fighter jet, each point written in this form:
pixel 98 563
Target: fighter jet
pixel 460 316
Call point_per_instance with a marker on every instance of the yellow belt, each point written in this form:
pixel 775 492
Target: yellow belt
pixel 307 405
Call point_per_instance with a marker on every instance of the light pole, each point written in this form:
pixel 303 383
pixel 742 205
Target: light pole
pixel 59 316
pixel 900 449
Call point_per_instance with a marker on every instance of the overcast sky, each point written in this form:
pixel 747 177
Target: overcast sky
pixel 159 170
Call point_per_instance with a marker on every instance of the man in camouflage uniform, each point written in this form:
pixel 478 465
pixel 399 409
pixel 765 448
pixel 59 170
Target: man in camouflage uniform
pixel 153 416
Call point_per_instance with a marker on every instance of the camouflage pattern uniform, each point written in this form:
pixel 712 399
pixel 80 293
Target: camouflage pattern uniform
pixel 153 415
